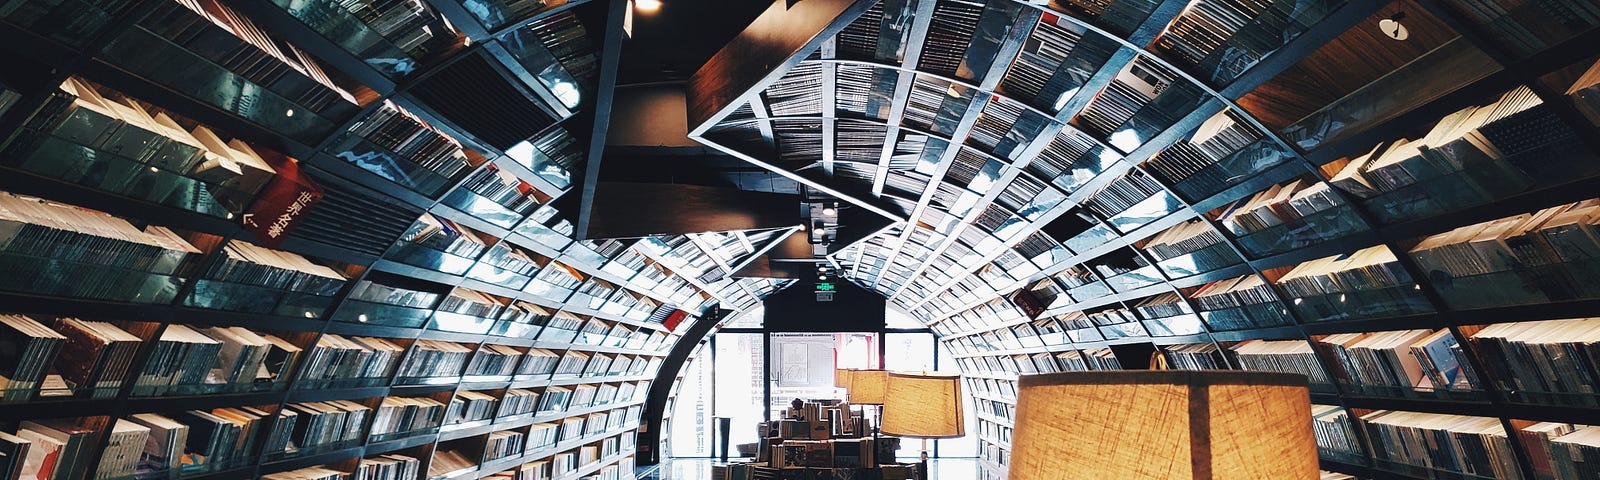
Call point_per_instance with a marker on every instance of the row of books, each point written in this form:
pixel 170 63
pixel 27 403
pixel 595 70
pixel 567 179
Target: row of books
pixel 213 30
pixel 471 406
pixel 1455 443
pixel 1335 430
pixel 1563 235
pixel 1370 268
pixel 1221 39
pixel 250 264
pixel 444 235
pixel 370 291
pixel 72 357
pixel 186 357
pixel 308 473
pixel 1245 292
pixel 1403 361
pixel 335 357
pixel 1474 138
pixel 131 139
pixel 35 227
pixel 1185 238
pixel 413 140
pixel 309 426
pixel 1282 204
pixel 405 24
pixel 1196 356
pixel 1213 142
pixel 406 414
pixel 433 358
pixel 1562 451
pixel 1530 358
pixel 1290 356
pixel 503 188
pixel 472 303
pixel 1123 194
pixel 1134 87
pixel 387 467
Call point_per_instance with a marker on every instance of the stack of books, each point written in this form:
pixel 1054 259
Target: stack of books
pixel 504 189
pixel 1368 282
pixel 518 402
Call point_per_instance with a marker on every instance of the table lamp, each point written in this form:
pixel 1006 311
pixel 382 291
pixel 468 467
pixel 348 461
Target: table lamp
pixel 924 406
pixel 1163 425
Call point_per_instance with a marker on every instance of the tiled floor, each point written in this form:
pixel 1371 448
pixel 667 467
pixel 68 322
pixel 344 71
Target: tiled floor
pixel 700 469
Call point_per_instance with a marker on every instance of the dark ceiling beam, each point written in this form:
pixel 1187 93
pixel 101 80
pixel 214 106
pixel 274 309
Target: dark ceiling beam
pixel 1346 17
pixel 1163 15
pixel 761 254
pixel 1016 34
pixel 610 56
pixel 860 201
pixel 631 210
pixel 773 44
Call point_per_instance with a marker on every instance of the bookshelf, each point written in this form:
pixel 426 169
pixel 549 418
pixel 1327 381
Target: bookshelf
pixel 435 275
pixel 1231 184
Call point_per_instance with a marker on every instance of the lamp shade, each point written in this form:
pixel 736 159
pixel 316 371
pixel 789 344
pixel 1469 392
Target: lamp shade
pixel 923 406
pixel 1128 425
pixel 841 377
pixel 866 386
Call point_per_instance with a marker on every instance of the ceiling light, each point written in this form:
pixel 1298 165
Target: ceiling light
pixel 829 211
pixel 647 6
pixel 567 93
pixel 288 113
pixel 1393 28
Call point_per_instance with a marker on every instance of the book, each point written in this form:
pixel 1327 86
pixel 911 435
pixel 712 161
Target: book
pixel 164 449
pixel 95 357
pixel 123 449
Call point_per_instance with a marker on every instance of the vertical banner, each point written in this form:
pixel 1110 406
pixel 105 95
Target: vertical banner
pixel 282 203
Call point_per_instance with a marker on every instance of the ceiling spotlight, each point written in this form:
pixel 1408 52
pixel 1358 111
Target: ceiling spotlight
pixel 822 268
pixel 647 6
pixel 829 211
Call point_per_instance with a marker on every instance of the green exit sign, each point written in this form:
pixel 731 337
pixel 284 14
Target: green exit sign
pixel 825 287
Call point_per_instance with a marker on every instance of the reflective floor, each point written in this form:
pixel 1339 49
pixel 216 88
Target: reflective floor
pixel 700 469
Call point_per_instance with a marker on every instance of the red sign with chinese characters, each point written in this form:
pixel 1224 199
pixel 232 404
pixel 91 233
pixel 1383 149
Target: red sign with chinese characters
pixel 282 203
pixel 674 319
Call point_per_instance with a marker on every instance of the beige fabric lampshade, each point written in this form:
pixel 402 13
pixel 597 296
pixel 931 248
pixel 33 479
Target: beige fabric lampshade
pixel 1132 425
pixel 841 377
pixel 866 386
pixel 923 406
